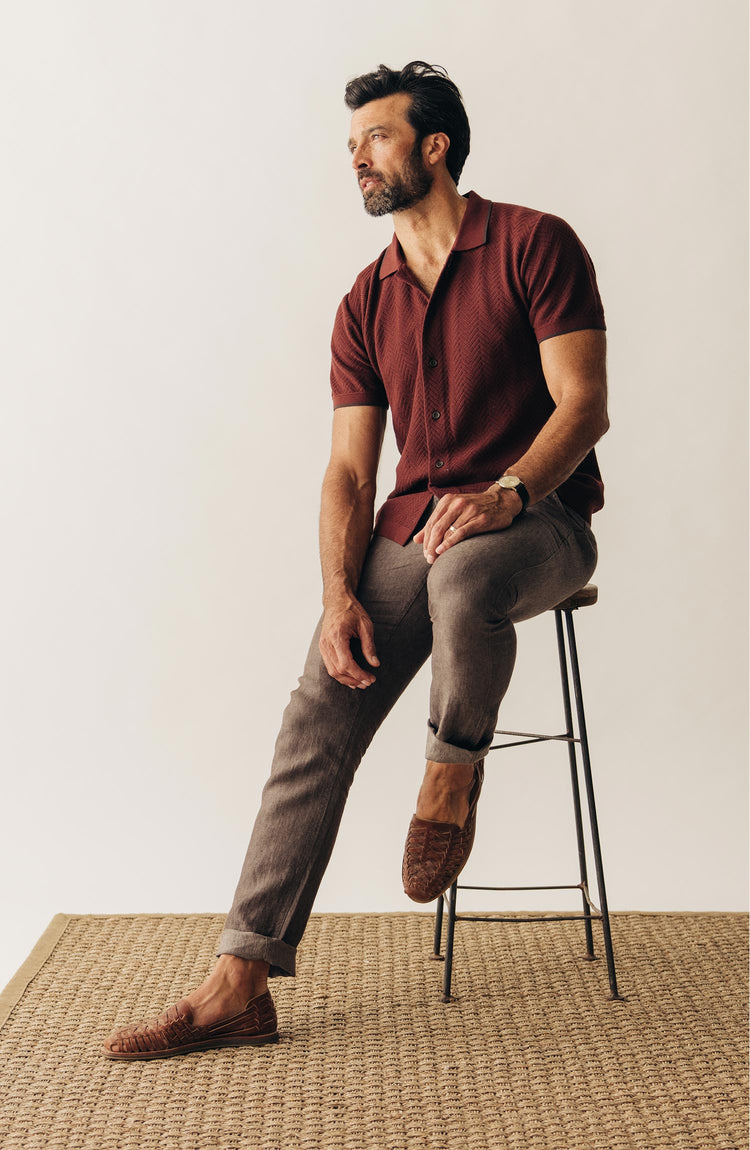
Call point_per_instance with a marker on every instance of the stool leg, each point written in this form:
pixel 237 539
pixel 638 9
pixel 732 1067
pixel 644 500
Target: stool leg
pixel 438 930
pixel 449 943
pixel 591 804
pixel 572 758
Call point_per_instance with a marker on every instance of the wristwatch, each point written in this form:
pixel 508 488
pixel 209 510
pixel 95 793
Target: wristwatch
pixel 513 483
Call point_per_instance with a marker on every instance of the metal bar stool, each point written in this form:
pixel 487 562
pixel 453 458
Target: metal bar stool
pixel 568 667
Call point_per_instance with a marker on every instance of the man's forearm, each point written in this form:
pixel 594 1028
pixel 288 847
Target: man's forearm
pixel 346 519
pixel 575 370
pixel 565 440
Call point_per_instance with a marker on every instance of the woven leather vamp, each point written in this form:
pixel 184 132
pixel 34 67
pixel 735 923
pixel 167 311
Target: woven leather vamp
pixel 436 853
pixel 175 1028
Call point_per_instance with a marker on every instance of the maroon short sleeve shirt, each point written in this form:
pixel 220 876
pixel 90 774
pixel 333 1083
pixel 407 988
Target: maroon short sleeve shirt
pixel 460 370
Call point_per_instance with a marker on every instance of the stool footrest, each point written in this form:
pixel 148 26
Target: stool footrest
pixel 569 886
pixel 519 918
pixel 524 737
pixel 582 887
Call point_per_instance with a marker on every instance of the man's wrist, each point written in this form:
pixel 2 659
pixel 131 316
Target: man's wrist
pixel 510 499
pixel 512 485
pixel 336 592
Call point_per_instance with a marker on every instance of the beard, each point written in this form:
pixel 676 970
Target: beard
pixel 403 190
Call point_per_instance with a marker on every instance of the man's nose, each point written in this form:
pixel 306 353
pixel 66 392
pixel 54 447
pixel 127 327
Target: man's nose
pixel 360 158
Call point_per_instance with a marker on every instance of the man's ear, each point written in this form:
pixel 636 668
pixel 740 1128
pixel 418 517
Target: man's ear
pixel 435 147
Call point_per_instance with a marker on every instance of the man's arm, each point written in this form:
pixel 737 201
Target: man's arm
pixel 574 368
pixel 346 518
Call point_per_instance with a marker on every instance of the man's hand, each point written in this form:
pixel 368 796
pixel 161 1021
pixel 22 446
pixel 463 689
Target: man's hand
pixel 458 516
pixel 345 619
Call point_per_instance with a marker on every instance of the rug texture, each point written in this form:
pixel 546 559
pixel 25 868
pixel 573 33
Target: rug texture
pixel 531 1056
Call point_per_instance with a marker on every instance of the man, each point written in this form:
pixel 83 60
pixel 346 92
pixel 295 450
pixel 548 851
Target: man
pixel 481 328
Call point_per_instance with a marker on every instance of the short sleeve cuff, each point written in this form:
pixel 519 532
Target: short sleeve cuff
pixel 359 399
pixel 585 323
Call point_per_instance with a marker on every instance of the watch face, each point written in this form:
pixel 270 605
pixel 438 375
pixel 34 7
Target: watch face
pixel 510 481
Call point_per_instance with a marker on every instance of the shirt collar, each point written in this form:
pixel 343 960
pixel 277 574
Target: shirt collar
pixel 471 234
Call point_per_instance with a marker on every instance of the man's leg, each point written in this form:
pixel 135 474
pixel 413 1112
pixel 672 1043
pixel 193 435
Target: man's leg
pixel 325 731
pixel 477 591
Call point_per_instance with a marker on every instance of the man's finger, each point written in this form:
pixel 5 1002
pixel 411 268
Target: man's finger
pixel 462 529
pixel 428 531
pixel 331 654
pixel 367 639
pixel 452 536
pixel 335 673
pixel 440 529
pixel 342 676
pixel 348 666
pixel 435 517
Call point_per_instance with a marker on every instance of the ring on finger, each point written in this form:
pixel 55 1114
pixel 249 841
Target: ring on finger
pixel 452 528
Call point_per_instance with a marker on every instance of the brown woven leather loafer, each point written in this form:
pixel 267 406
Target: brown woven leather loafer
pixel 175 1033
pixel 436 853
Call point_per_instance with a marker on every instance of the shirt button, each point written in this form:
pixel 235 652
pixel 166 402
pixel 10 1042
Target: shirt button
pixel 432 362
pixel 439 462
pixel 436 415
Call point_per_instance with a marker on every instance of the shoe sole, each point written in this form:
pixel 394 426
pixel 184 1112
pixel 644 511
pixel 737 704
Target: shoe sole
pixel 206 1044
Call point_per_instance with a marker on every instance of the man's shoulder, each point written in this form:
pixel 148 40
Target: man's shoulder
pixel 519 222
pixel 520 212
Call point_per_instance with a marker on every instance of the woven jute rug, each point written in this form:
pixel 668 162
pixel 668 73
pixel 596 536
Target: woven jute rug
pixel 531 1055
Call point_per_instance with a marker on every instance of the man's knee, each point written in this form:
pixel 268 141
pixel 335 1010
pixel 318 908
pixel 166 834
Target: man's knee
pixel 465 585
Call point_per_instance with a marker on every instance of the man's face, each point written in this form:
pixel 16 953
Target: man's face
pixel 386 157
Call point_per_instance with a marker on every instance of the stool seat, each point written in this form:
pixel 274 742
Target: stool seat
pixel 586 597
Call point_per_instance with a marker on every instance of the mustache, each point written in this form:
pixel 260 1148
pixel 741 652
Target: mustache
pixel 370 174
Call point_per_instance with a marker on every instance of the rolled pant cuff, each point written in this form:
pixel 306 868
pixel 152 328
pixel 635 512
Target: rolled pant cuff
pixel 281 957
pixel 440 752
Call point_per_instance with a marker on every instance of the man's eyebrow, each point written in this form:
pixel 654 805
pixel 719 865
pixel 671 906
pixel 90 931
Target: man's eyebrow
pixel 366 132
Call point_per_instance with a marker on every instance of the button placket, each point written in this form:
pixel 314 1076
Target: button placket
pixel 435 432
pixel 434 398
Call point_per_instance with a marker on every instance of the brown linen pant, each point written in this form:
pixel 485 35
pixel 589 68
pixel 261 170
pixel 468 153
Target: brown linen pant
pixel 463 609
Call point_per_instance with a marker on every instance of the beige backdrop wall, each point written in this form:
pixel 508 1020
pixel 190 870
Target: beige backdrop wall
pixel 179 221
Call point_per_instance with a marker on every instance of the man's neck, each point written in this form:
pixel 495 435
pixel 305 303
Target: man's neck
pixel 428 231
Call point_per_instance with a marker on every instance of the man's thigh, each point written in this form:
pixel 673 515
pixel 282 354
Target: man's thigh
pixel 546 554
pixel 393 582
pixel 392 589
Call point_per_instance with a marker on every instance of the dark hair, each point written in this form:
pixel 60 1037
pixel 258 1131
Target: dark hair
pixel 436 104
